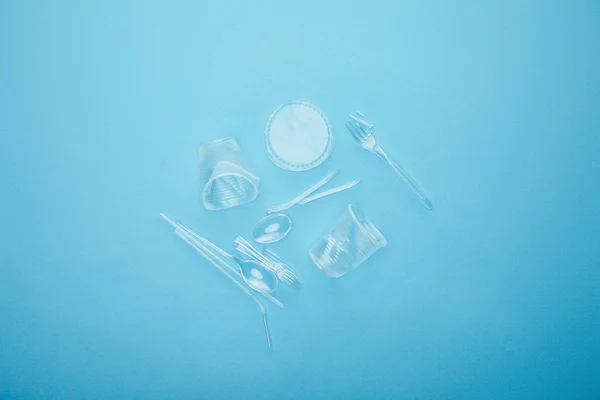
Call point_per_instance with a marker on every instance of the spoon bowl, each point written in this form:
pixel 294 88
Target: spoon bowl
pixel 258 277
pixel 272 228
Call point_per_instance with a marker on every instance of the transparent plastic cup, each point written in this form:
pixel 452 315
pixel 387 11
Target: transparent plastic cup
pixel 230 180
pixel 349 244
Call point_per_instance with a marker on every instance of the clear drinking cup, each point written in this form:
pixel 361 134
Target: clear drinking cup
pixel 352 241
pixel 229 178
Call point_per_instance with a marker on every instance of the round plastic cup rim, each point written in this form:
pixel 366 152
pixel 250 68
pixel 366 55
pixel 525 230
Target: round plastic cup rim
pixel 278 161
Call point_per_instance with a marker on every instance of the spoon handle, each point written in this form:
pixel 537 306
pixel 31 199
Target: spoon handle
pixel 266 326
pixel 206 253
pixel 217 265
pixel 207 242
pixel 184 233
pixel 261 307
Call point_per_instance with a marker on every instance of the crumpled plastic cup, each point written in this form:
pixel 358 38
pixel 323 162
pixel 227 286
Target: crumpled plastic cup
pixel 353 239
pixel 229 178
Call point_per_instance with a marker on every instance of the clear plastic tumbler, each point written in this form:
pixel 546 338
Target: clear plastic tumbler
pixel 230 180
pixel 349 244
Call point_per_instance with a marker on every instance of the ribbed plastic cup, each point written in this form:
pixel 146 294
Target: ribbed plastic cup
pixel 348 245
pixel 230 180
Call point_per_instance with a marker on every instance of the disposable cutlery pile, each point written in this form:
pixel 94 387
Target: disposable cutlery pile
pixel 269 260
pixel 225 263
pixel 298 136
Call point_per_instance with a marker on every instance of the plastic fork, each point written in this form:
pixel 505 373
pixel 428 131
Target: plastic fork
pixel 213 253
pixel 270 261
pixel 295 281
pixel 214 261
pixel 363 133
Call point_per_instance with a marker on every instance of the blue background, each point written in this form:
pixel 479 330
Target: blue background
pixel 494 107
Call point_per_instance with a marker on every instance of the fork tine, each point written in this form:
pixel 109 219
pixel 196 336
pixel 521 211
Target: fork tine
pixel 361 122
pixel 288 282
pixel 290 278
pixel 363 130
pixel 355 133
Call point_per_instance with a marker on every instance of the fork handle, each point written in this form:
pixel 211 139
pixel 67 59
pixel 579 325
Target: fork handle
pixel 404 177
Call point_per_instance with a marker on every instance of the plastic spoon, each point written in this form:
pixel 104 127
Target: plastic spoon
pixel 261 307
pixel 258 277
pixel 250 276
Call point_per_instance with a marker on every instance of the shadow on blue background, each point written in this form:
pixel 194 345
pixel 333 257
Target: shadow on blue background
pixel 492 106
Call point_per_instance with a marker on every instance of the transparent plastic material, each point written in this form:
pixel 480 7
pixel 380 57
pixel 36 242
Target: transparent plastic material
pixel 298 136
pixel 271 228
pixel 363 134
pixel 230 180
pixel 268 260
pixel 308 195
pixel 349 244
pixel 223 262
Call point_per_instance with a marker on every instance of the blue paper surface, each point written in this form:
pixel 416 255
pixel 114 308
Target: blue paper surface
pixel 493 107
